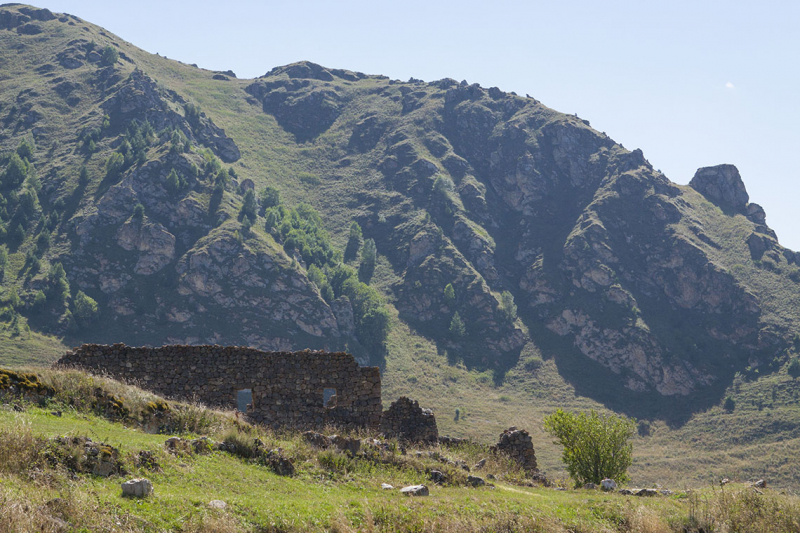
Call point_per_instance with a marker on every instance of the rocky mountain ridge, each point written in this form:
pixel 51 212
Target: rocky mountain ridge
pixel 524 225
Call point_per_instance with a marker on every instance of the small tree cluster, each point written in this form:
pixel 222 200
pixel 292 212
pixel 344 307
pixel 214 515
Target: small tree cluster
pixel 595 446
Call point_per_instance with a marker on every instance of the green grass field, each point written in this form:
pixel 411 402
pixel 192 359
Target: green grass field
pixel 329 492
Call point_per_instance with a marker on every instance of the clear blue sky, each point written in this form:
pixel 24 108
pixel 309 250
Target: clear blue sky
pixel 692 83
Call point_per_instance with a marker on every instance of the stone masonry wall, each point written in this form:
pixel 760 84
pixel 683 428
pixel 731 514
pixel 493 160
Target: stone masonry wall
pixel 406 420
pixel 517 444
pixel 287 387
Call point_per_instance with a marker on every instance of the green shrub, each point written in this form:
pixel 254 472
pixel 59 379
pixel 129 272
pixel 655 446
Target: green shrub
pixel 249 207
pixel 109 56
pixel 172 182
pixel 270 197
pixel 309 179
pixel 457 328
pixel 729 404
pixel 84 309
pixel 25 149
pixel 449 294
pixel 508 309
pixel 794 368
pixel 595 446
pixel 15 172
pixel 114 165
pixel 192 113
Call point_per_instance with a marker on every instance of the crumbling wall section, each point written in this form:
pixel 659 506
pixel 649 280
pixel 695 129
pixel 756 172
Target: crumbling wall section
pixel 406 420
pixel 287 387
pixel 517 444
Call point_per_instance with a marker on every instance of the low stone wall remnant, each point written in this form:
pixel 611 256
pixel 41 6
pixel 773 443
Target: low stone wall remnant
pixel 406 420
pixel 517 444
pixel 287 387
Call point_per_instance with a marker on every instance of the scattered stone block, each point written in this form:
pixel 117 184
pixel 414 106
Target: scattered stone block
pixel 415 490
pixel 438 477
pixel 475 481
pixel 608 484
pixel 137 488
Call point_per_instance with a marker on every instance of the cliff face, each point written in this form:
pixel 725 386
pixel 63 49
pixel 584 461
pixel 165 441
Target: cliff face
pixel 468 193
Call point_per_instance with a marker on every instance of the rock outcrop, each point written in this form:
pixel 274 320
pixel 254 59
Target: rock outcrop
pixel 722 185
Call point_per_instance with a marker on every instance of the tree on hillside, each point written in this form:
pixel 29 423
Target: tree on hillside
pixel 369 255
pixel 26 148
pixel 15 172
pixel 249 207
pixel 84 309
pixel 449 294
pixel 457 328
pixel 353 242
pixel 109 56
pixel 508 309
pixel 270 197
pixel 595 446
pixel 114 165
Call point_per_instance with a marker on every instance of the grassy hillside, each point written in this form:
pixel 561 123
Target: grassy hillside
pixel 329 491
pixel 472 187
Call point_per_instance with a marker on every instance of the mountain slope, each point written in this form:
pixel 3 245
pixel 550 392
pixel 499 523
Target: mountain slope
pixel 640 295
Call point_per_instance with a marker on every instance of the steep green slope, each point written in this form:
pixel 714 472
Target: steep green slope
pixel 633 293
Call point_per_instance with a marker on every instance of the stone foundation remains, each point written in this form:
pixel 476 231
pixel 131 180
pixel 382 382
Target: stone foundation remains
pixel 517 444
pixel 305 389
pixel 406 420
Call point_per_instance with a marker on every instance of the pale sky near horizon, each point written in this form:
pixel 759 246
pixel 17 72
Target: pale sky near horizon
pixel 691 83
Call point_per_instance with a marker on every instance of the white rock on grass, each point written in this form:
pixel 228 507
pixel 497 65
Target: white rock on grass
pixel 139 488
pixel 217 504
pixel 415 490
pixel 608 484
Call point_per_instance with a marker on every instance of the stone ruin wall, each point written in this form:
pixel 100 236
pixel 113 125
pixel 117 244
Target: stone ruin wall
pixel 406 420
pixel 287 387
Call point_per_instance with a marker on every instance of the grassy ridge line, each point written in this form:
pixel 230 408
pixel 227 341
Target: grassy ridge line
pixel 331 492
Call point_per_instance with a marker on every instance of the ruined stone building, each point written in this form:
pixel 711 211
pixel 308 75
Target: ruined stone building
pixel 300 389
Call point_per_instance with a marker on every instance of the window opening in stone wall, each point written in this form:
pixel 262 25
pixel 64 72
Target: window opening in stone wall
pixel 329 398
pixel 244 400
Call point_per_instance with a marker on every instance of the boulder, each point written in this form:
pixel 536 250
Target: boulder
pixel 345 444
pixel 480 464
pixel 415 490
pixel 590 486
pixel 438 477
pixel 386 486
pixel 475 481
pixel 646 492
pixel 137 488
pixel 279 463
pixel 760 484
pixel 608 484
pixel 721 185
